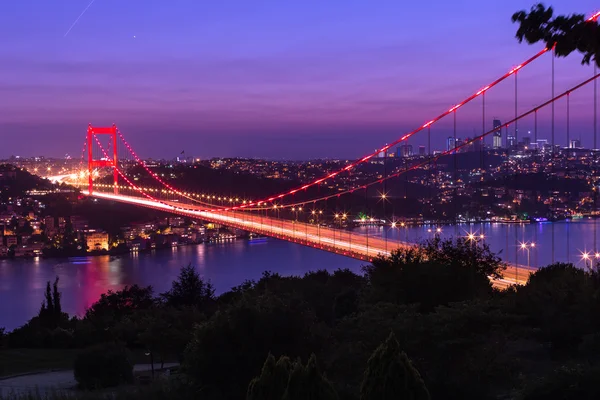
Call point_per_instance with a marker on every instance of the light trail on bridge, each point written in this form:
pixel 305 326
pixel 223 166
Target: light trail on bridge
pixel 340 241
pixel 343 242
pixel 349 243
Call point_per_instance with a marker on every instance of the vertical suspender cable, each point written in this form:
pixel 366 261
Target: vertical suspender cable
pixel 454 178
pixel 595 159
pixel 384 196
pixel 506 172
pixel 481 164
pixel 368 219
pixel 567 166
pixel 553 160
pixel 516 142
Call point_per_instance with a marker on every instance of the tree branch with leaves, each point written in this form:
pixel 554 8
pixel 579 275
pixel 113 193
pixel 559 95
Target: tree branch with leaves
pixel 566 33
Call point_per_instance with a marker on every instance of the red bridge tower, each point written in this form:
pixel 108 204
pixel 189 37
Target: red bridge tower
pixel 112 131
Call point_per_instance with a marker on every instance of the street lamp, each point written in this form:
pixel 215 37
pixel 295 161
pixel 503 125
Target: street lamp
pixel 585 256
pixel 525 246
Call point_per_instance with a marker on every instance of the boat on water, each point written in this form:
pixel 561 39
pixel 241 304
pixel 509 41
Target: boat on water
pixel 257 239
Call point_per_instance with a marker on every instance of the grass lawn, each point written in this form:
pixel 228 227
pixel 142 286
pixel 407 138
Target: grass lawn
pixel 18 361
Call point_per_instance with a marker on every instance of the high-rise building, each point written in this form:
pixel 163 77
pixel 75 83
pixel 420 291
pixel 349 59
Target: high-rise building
pixel 421 150
pixel 526 141
pixel 511 141
pixel 497 134
pixel 450 143
pixel 407 150
pixel 575 144
pixel 459 143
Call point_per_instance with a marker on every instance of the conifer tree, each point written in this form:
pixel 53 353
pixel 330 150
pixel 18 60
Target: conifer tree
pixel 390 375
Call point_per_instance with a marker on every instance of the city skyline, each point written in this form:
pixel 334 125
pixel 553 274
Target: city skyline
pixel 267 80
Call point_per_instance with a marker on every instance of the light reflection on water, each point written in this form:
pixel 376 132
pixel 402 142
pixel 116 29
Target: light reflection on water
pixel 560 241
pixel 228 264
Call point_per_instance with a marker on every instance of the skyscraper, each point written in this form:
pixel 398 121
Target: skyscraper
pixel 511 140
pixel 450 143
pixel 497 134
pixel 421 150
pixel 407 150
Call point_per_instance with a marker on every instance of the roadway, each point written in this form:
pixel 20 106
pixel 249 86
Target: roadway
pixel 340 241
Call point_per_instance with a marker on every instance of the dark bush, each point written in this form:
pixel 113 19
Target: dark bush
pixel 568 382
pixel 438 272
pixel 103 366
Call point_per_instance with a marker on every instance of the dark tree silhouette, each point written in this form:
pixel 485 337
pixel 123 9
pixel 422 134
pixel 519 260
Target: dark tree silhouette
pixel 308 382
pixel 568 33
pixel 390 375
pixel 51 314
pixel 272 381
pixel 189 290
pixel 113 306
pixel 435 273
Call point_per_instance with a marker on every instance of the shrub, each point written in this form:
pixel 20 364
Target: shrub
pixel 290 381
pixel 103 366
pixel 568 382
pixel 390 375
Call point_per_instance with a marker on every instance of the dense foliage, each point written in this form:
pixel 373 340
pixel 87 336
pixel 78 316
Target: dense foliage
pixel 466 340
pixel 565 33
pixel 103 366
pixel 287 380
pixel 390 375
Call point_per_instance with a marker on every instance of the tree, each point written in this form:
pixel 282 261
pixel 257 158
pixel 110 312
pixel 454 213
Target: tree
pixel 437 272
pixel 308 383
pixel 286 380
pixel 113 307
pixel 189 290
pixel 51 315
pixel 559 299
pixel 390 375
pixel 26 229
pixel 48 303
pixel 568 382
pixel 103 366
pixel 56 295
pixel 272 381
pixel 252 328
pixel 568 33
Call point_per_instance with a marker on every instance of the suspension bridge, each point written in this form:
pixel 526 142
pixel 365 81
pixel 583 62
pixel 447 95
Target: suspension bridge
pixel 104 148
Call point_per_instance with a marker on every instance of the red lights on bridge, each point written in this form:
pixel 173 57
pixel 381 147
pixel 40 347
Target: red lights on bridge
pixel 92 131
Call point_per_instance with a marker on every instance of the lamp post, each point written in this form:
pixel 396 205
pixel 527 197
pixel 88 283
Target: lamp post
pixel 585 256
pixel 524 247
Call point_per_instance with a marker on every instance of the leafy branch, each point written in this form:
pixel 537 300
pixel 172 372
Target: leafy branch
pixel 565 33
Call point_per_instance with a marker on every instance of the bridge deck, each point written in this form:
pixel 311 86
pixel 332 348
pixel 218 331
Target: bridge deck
pixel 339 241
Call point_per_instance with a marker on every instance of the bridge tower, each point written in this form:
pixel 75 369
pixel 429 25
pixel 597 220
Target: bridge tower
pixel 112 131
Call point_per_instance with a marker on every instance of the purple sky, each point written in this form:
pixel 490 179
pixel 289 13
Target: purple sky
pixel 278 79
